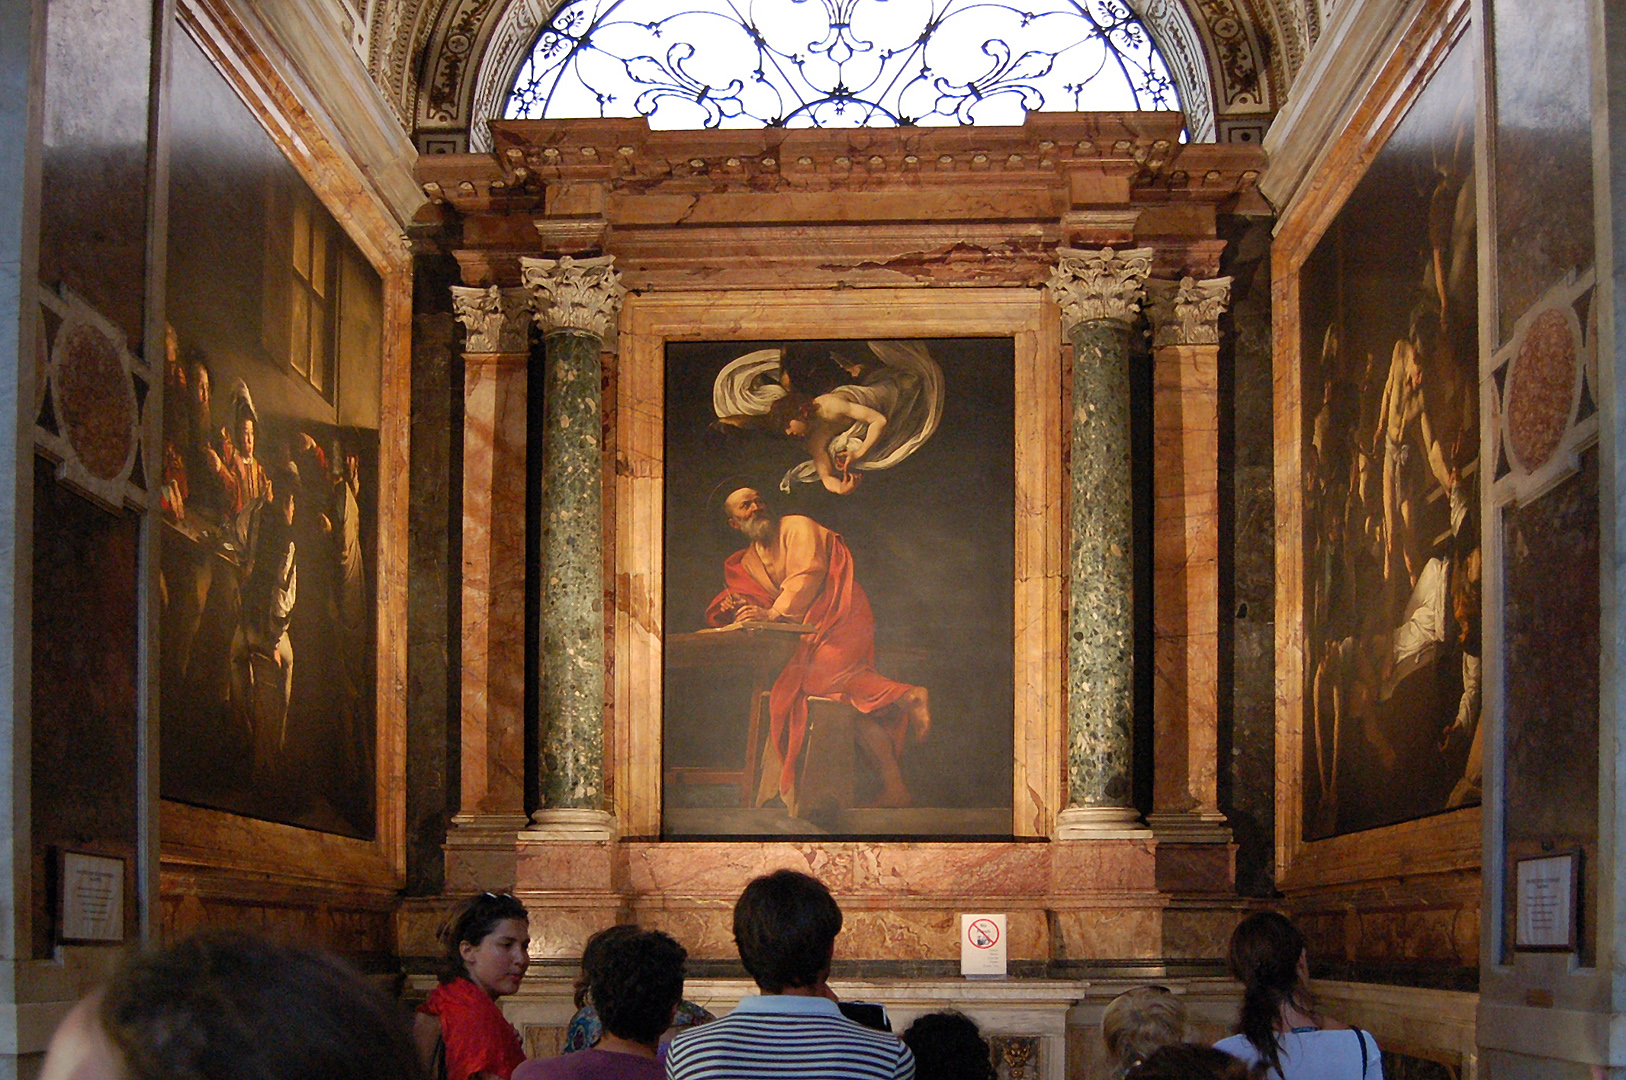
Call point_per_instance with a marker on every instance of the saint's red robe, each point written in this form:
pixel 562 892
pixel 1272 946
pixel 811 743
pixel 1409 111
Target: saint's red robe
pixel 837 660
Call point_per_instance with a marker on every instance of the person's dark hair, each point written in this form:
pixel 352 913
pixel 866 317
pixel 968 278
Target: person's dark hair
pixel 1140 1021
pixel 948 1046
pixel 595 947
pixel 1264 956
pixel 229 1005
pixel 1189 1061
pixel 785 926
pixel 635 981
pixel 473 923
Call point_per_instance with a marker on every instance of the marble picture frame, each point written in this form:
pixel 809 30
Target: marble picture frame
pixel 202 845
pixel 1442 839
pixel 649 321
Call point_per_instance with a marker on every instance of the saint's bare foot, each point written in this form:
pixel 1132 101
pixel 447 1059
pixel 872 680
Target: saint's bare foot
pixel 917 710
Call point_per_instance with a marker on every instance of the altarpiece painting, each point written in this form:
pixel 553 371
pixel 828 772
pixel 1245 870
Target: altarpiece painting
pixel 839 520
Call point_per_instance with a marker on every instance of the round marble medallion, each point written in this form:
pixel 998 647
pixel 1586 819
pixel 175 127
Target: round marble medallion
pixel 95 402
pixel 1541 389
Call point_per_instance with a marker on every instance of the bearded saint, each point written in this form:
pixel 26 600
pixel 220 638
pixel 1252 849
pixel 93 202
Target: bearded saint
pixel 795 570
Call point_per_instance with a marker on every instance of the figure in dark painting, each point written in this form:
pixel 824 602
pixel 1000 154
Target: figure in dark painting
pixel 241 474
pixel 853 411
pixel 796 570
pixel 262 655
pixel 191 500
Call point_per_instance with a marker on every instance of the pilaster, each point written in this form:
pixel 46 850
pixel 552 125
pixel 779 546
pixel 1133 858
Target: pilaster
pixel 1194 843
pixel 496 354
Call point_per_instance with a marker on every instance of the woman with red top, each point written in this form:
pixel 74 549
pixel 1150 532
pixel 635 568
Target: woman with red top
pixel 460 1026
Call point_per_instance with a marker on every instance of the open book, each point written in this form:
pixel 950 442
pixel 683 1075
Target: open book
pixel 761 624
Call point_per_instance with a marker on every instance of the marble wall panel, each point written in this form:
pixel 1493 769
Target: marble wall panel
pixel 560 926
pixel 724 869
pixel 1127 866
pixel 932 933
pixel 707 932
pixel 93 199
pixel 975 870
pixel 1107 933
pixel 83 792
pixel 1550 636
pixel 1199 932
pixel 1247 582
pixel 564 864
pixel 433 547
pixel 1543 161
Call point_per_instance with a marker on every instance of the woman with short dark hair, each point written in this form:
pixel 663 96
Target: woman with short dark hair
pixel 635 981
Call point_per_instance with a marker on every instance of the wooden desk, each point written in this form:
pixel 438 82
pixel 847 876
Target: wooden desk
pixel 760 648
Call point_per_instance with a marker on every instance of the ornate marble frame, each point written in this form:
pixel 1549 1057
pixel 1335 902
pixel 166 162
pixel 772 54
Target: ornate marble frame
pixel 1444 842
pixel 649 321
pixel 218 853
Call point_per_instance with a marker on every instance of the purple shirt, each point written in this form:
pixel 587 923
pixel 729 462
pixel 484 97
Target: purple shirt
pixel 592 1065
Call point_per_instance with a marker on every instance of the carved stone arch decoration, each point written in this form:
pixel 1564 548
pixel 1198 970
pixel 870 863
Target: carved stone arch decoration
pixel 1230 60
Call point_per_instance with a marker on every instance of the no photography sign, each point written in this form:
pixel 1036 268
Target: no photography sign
pixel 982 945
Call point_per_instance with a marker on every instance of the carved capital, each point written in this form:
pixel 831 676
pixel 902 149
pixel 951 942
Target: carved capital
pixel 1186 312
pixel 574 294
pixel 1103 284
pixel 497 319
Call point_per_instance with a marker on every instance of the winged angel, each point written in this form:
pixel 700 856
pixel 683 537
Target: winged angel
pixel 854 411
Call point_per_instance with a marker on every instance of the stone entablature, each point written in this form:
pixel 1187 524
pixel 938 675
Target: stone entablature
pixel 866 207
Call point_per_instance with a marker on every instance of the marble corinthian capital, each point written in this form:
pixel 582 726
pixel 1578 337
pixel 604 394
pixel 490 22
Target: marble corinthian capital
pixel 1095 285
pixel 1186 312
pixel 583 295
pixel 498 320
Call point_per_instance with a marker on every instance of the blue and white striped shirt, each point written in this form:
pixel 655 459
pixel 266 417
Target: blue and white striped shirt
pixel 787 1037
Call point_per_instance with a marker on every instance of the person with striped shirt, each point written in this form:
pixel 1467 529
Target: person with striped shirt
pixel 785 926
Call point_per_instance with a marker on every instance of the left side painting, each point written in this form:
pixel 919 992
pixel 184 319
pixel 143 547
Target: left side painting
pixel 268 634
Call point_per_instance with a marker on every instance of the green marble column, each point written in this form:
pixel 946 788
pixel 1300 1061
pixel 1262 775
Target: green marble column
pixel 576 302
pixel 1100 293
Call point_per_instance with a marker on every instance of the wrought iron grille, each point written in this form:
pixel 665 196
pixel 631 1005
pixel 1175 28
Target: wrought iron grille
pixel 839 63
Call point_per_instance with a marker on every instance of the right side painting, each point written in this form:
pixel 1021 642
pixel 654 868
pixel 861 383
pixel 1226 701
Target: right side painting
pixel 1390 442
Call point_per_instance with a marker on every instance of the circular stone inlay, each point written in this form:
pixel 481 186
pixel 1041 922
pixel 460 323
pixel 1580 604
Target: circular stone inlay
pixel 1541 389
pixel 94 400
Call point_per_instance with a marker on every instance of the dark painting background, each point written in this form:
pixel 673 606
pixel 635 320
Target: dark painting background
pixel 1371 760
pixel 233 220
pixel 932 543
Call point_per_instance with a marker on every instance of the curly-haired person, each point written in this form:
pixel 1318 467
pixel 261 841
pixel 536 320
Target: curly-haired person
pixel 635 981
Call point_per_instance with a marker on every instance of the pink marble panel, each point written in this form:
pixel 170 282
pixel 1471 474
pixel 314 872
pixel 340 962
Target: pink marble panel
pixel 708 933
pixel 1199 933
pixel 566 865
pixel 1109 932
pixel 725 868
pixel 955 869
pixel 1093 866
pixel 560 927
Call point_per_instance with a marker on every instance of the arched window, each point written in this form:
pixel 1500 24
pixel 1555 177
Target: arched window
pixel 839 63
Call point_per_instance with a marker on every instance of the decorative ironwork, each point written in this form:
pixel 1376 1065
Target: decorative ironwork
pixel 839 63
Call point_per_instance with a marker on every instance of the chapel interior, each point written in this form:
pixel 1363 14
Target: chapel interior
pixel 1238 489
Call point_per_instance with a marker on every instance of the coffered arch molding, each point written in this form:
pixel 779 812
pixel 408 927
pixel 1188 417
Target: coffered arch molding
pixel 1227 57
